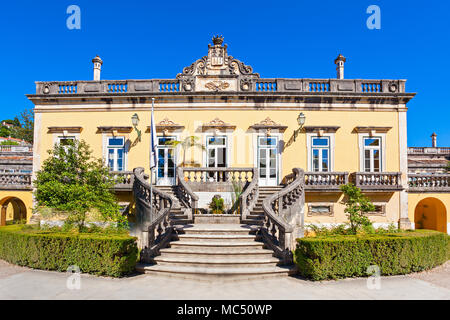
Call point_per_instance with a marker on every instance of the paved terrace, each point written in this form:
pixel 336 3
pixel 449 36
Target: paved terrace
pixel 23 283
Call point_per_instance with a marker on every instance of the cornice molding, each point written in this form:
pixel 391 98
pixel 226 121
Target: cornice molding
pixel 372 129
pixel 325 129
pixel 65 129
pixel 113 129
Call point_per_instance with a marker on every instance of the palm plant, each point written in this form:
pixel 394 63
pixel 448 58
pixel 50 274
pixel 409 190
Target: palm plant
pixel 185 144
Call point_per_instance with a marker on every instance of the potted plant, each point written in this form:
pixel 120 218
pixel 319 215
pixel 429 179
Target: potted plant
pixel 217 205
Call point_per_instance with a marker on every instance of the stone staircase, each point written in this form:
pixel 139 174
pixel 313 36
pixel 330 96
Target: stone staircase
pixel 206 251
pixel 256 217
pixel 216 251
pixel 177 217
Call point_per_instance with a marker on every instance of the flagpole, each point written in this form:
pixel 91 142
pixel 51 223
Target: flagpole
pixel 151 161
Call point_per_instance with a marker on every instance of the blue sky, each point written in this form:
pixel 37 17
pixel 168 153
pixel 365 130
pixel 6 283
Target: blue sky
pixel 156 39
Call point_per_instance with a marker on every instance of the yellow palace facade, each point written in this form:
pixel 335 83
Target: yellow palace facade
pixel 335 130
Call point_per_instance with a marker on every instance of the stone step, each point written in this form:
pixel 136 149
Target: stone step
pixel 178 216
pixel 255 216
pixel 218 229
pixel 216 237
pixel 219 253
pixel 176 222
pixel 257 222
pixel 223 262
pixel 212 273
pixel 216 244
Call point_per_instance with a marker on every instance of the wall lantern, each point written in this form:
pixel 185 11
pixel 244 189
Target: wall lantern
pixel 301 119
pixel 135 122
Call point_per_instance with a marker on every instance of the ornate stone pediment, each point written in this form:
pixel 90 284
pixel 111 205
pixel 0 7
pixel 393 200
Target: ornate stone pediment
pixel 167 126
pixel 268 125
pixel 218 125
pixel 217 71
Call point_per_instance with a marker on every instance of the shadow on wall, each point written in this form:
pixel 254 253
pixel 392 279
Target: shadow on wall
pixel 431 214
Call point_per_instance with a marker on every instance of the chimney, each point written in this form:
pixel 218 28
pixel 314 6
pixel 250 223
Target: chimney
pixel 339 62
pixel 97 67
pixel 434 140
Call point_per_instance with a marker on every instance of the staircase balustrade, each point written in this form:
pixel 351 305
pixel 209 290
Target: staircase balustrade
pixel 282 211
pixel 249 197
pixel 152 214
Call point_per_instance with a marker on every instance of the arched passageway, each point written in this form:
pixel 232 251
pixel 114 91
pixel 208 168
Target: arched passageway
pixel 12 209
pixel 431 214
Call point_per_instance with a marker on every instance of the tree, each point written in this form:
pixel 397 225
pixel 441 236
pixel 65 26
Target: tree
pixel 185 144
pixel 71 180
pixel 447 168
pixel 356 206
pixel 5 132
pixel 24 128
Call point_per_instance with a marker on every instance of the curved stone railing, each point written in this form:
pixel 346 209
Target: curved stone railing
pixel 249 196
pixel 429 182
pixel 188 199
pixel 282 212
pixel 152 216
pixel 15 181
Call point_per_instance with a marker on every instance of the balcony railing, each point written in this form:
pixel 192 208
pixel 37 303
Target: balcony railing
pixel 218 175
pixel 428 150
pixel 15 181
pixel 16 149
pixel 124 180
pixel 378 181
pixel 429 182
pixel 325 181
pixel 173 86
pixel 22 181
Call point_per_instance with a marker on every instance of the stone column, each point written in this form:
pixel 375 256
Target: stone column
pixel 404 222
pixel 3 215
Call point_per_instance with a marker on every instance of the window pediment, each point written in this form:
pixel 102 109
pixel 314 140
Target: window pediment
pixel 218 124
pixel 65 129
pixel 268 125
pixel 113 129
pixel 166 126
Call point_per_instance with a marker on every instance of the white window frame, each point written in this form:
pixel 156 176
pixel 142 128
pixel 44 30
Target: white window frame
pixel 228 144
pixel 175 137
pixel 279 135
pixel 331 137
pixel 57 137
pixel 105 148
pixel 362 148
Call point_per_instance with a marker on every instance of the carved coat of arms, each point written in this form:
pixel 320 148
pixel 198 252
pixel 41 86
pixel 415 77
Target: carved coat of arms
pixel 217 85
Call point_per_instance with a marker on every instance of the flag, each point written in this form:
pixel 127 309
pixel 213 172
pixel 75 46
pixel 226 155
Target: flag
pixel 153 141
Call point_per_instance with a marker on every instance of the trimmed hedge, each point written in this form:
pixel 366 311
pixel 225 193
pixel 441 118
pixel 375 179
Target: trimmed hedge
pixel 109 255
pixel 336 257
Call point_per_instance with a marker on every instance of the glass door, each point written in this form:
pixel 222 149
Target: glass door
pixel 216 152
pixel 268 161
pixel 166 162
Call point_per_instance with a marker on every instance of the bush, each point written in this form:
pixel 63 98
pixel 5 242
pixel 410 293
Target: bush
pixel 109 255
pixel 335 257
